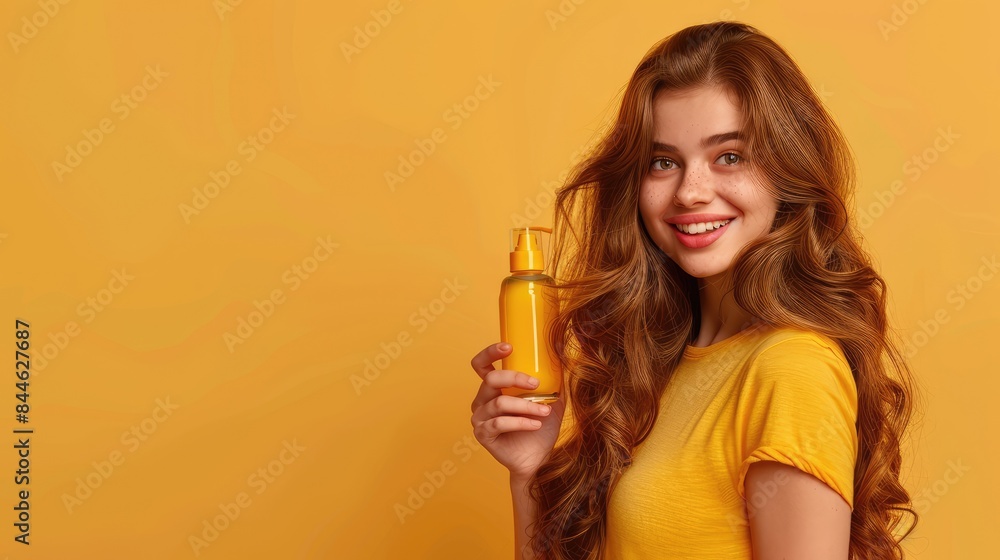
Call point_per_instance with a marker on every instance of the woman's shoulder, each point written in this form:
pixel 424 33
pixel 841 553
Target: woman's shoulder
pixel 771 335
pixel 784 347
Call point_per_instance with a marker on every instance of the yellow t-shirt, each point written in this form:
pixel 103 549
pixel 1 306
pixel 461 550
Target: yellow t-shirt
pixel 763 394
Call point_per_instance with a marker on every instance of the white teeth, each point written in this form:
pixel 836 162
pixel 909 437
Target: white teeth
pixel 701 227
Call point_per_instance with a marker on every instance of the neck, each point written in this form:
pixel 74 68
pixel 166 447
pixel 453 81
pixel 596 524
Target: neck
pixel 721 317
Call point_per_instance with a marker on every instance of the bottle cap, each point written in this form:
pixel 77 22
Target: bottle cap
pixel 526 249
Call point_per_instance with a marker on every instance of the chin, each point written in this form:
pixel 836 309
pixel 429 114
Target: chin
pixel 706 275
pixel 703 272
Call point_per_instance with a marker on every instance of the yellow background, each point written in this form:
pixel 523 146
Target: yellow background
pixel 413 278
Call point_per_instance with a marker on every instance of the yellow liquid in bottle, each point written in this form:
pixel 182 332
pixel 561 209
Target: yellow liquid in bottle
pixel 526 310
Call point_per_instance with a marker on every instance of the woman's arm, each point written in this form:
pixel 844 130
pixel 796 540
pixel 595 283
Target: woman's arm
pixel 519 434
pixel 795 515
pixel 524 515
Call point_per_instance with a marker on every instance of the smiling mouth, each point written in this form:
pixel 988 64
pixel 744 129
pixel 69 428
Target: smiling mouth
pixel 699 228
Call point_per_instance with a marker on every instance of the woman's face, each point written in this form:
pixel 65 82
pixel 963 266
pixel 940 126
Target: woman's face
pixel 697 178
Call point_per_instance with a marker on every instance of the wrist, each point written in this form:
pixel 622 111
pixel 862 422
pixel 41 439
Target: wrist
pixel 520 481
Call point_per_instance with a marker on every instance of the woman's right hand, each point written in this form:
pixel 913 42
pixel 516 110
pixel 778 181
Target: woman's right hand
pixel 518 433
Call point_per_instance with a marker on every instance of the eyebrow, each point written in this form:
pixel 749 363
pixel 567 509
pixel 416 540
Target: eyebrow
pixel 705 142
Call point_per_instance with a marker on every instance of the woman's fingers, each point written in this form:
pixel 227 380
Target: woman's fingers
pixel 501 378
pixel 492 428
pixel 494 413
pixel 498 379
pixel 482 362
pixel 506 405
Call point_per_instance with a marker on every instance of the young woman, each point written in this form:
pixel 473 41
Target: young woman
pixel 732 386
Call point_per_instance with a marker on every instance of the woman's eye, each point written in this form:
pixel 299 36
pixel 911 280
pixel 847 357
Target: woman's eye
pixel 666 163
pixel 729 158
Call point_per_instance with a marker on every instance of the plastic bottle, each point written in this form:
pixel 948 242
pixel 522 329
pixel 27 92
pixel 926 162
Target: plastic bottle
pixel 527 307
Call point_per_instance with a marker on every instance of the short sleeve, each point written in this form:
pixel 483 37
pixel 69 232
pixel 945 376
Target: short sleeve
pixel 798 406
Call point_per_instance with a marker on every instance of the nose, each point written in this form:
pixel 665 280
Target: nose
pixel 695 188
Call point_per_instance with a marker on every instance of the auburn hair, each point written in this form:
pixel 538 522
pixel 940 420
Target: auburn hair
pixel 627 311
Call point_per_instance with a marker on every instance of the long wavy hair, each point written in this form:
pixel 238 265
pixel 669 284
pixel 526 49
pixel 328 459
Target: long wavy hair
pixel 627 310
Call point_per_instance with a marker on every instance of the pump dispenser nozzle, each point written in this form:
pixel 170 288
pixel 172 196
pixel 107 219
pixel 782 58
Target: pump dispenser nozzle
pixel 526 255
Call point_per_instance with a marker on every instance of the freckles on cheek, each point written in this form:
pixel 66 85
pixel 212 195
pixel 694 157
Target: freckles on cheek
pixel 655 203
pixel 648 198
pixel 652 195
